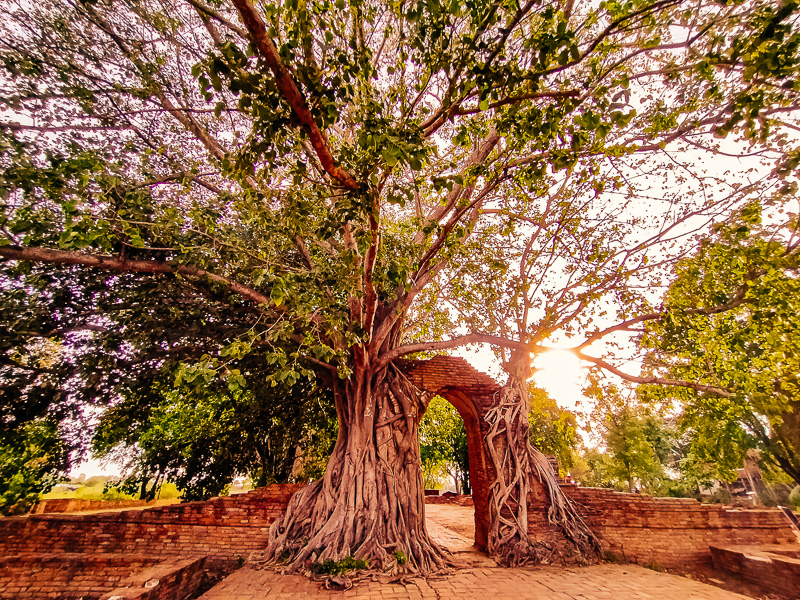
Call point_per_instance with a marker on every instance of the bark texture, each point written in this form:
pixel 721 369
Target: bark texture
pixel 370 502
pixel 516 464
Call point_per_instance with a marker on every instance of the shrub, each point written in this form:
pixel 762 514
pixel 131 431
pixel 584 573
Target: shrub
pixel 794 498
pixel 331 567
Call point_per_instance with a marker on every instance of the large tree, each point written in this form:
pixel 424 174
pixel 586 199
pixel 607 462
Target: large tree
pixel 339 172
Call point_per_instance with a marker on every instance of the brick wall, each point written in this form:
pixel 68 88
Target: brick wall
pixel 40 575
pixel 170 580
pixel 69 575
pixel 670 532
pixel 224 528
pixel 459 500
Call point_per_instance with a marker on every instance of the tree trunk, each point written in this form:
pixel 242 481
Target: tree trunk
pixel 143 488
pixel 516 463
pixel 784 444
pixel 370 502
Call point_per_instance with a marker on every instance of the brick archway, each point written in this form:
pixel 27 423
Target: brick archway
pixel 472 394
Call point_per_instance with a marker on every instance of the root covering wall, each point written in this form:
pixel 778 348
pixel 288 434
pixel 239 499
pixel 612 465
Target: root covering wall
pixel 668 532
pixel 223 528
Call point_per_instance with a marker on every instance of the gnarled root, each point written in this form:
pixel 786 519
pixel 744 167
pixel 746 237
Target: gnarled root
pixel 516 463
pixel 370 502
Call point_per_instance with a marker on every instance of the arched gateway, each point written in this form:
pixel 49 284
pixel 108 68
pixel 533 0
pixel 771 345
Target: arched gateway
pixel 472 393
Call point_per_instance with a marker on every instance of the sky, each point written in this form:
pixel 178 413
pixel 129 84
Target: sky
pixel 559 372
pixel 92 468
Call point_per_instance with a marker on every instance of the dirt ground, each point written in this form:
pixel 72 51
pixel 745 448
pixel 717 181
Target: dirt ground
pixel 460 519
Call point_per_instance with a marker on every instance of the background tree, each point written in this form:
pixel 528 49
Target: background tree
pixel 31 457
pixel 144 349
pixel 553 430
pixel 201 437
pixel 732 321
pixel 639 442
pixel 324 172
pixel 443 445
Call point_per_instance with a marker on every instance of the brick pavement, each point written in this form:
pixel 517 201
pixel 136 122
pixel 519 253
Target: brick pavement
pixel 600 582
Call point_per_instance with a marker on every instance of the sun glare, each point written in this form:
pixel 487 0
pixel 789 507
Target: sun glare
pixel 560 374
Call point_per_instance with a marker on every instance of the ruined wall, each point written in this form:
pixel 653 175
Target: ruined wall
pixel 775 569
pixel 457 500
pixel 38 575
pixel 47 576
pixel 223 528
pixel 669 532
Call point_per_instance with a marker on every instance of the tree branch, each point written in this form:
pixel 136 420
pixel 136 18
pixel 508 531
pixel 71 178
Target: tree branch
pixel 654 380
pixel 218 17
pixel 739 299
pixel 370 295
pixel 186 119
pixel 480 338
pixel 471 338
pixel 112 263
pixel 515 99
pixel 286 84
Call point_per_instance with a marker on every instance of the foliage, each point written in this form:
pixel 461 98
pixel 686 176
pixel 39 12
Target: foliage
pixel 213 168
pixel 552 429
pixel 339 567
pixel 591 468
pixel 102 342
pixel 794 498
pixel 443 445
pixel 30 459
pixel 640 442
pixel 202 437
pixel 732 320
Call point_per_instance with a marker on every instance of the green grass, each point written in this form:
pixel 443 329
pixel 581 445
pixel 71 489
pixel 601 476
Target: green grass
pixel 95 490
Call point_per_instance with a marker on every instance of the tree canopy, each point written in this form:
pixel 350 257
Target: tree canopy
pixel 259 195
pixel 747 344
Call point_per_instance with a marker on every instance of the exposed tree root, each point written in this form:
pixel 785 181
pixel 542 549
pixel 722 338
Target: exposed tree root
pixel 516 463
pixel 370 502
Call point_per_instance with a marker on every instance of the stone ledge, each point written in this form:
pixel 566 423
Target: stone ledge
pixel 166 581
pixel 775 567
pixel 34 576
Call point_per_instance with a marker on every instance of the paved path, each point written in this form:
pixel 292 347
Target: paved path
pixel 482 579
pixel 600 582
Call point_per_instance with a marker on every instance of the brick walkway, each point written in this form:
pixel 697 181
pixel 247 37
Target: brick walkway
pixel 601 582
pixel 481 580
